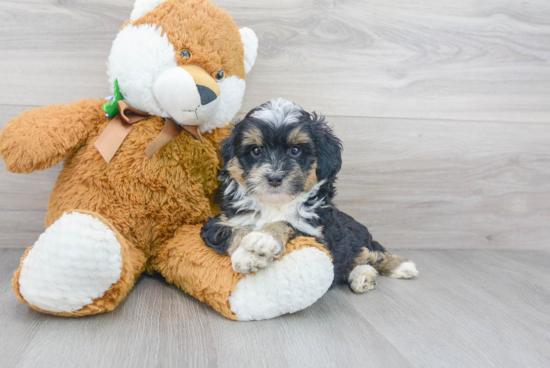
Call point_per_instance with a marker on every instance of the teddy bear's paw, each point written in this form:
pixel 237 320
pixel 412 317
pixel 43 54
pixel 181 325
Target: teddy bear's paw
pixel 362 278
pixel 244 261
pixel 263 245
pixel 289 284
pixel 75 261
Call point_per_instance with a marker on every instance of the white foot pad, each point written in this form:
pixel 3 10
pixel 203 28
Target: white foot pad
pixel 75 260
pixel 287 285
pixel 406 270
pixel 362 278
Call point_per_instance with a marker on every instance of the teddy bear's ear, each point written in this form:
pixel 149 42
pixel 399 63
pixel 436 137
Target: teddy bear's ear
pixel 250 42
pixel 142 7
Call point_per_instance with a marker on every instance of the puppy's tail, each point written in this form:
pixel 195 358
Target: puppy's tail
pixel 387 264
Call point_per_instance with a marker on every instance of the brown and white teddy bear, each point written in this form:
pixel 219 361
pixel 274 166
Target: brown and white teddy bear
pixel 136 188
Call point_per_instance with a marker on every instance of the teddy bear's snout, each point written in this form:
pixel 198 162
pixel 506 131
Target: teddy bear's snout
pixel 188 94
pixel 207 95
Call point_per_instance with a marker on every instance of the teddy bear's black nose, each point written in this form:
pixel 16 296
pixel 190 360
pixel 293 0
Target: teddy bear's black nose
pixel 275 180
pixel 207 95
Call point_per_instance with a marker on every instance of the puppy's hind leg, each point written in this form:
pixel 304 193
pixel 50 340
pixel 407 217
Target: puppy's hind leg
pixel 403 270
pixel 362 278
pixel 387 264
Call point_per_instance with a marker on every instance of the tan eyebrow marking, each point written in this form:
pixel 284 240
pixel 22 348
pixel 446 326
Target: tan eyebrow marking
pixel 297 136
pixel 253 137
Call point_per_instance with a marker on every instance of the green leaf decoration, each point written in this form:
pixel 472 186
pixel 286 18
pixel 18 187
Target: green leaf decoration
pixel 111 108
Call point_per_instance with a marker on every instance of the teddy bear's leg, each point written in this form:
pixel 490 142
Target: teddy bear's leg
pixel 79 266
pixel 293 282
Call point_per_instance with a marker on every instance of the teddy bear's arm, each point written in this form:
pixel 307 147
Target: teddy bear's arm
pixel 40 138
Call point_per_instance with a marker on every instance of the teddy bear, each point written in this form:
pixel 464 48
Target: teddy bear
pixel 140 173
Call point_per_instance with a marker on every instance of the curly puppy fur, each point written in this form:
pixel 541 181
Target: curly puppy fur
pixel 278 182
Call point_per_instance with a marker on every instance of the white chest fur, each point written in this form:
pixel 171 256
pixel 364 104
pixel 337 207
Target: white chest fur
pixel 259 213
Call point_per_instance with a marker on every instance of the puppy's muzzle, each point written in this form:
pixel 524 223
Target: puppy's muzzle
pixel 275 180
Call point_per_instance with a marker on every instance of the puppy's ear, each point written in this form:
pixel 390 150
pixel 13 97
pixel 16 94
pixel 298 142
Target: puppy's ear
pixel 227 152
pixel 329 149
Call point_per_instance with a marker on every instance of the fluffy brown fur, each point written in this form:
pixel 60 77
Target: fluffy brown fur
pixel 209 34
pixel 148 199
pixel 42 137
pixel 155 206
pixel 197 269
pixel 145 200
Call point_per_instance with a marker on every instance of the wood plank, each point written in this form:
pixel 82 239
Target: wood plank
pixel 159 325
pixel 473 60
pixel 17 328
pixel 21 229
pixel 447 184
pixel 467 308
pixel 417 184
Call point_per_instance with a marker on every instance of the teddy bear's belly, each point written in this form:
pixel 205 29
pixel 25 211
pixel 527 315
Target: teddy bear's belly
pixel 147 200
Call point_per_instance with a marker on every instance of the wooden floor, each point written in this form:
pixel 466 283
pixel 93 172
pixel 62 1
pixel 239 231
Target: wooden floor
pixel 444 110
pixel 468 308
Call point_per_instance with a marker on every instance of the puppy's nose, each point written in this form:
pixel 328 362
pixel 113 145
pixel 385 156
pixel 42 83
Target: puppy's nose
pixel 275 179
pixel 207 95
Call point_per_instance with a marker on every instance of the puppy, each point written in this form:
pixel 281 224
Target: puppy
pixel 280 167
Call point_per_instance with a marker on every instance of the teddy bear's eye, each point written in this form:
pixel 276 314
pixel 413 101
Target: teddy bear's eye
pixel 185 53
pixel 220 75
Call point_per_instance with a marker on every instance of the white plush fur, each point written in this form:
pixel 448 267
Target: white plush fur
pixel 406 270
pixel 142 7
pixel 230 102
pixel 177 93
pixel 288 285
pixel 362 278
pixel 143 61
pixel 138 56
pixel 279 112
pixel 294 212
pixel 74 261
pixel 250 43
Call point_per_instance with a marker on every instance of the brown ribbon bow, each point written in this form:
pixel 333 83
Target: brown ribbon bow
pixel 114 134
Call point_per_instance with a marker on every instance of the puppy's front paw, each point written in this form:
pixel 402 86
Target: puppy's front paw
pixel 256 251
pixel 263 245
pixel 244 261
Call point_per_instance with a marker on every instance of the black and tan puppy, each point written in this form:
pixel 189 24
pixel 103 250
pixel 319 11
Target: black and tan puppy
pixel 280 166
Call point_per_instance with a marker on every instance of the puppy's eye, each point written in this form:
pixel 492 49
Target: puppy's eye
pixel 184 53
pixel 256 151
pixel 220 75
pixel 295 151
